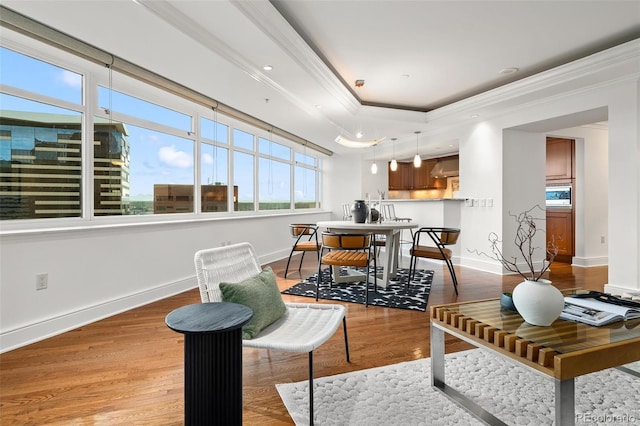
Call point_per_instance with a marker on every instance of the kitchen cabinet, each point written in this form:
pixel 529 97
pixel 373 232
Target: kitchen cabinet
pixel 560 153
pixel 402 178
pixel 408 177
pixel 560 229
pixel 422 178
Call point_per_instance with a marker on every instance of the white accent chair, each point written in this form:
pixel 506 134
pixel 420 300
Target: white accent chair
pixel 303 328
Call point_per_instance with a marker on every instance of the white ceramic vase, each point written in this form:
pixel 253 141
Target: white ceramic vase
pixel 538 302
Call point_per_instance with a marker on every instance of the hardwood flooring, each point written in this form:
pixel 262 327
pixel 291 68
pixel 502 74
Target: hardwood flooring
pixel 128 369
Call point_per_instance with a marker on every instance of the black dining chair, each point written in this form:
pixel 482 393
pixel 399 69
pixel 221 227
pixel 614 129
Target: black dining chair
pixel 306 235
pixel 441 238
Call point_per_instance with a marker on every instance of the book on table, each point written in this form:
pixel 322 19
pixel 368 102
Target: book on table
pixel 596 312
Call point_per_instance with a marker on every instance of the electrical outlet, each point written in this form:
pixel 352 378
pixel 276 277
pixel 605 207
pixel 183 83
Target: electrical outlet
pixel 42 281
pixel 602 239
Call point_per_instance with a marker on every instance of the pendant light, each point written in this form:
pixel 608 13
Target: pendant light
pixel 394 163
pixel 417 161
pixel 374 166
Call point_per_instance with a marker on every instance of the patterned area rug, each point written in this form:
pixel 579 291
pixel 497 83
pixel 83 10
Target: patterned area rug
pixel 396 295
pixel 401 394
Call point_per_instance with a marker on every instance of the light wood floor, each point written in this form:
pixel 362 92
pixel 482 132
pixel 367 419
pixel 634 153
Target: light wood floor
pixel 128 369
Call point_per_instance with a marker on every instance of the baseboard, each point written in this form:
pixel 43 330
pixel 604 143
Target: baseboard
pixel 621 291
pixel 31 333
pixel 587 262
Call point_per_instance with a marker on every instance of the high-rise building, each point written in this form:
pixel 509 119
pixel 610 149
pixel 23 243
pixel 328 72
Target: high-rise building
pixel 41 166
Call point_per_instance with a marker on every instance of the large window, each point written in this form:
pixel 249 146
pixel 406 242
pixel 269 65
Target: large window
pixel 149 152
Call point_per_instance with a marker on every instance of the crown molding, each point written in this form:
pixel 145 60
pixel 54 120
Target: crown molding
pixel 623 59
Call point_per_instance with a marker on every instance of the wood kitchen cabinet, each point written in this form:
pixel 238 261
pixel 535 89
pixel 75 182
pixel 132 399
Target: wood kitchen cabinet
pixel 402 178
pixel 560 228
pixel 408 177
pixel 422 178
pixel 560 154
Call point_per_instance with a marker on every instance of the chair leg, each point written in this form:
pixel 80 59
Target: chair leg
pixel 319 279
pixel 288 261
pixel 366 288
pixel 301 259
pixel 346 339
pixel 453 275
pixel 412 268
pixel 311 388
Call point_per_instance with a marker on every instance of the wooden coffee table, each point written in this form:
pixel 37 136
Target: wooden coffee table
pixel 561 351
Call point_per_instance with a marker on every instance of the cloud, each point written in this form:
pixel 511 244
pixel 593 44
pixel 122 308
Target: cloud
pixel 172 158
pixel 207 159
pixel 71 79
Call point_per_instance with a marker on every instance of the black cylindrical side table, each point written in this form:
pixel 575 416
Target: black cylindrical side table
pixel 212 361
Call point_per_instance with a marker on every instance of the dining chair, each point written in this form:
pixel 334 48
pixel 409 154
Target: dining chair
pixel 306 235
pixel 346 212
pixel 441 237
pixel 303 327
pixel 389 213
pixel 350 250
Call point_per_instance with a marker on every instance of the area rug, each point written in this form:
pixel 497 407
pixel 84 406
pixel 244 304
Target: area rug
pixel 401 394
pixel 396 295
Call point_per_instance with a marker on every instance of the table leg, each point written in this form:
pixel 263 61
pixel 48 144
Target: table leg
pixel 213 378
pixel 565 402
pixel 438 381
pixel 437 356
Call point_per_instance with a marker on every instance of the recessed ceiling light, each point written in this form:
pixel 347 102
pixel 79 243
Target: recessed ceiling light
pixel 267 67
pixel 509 70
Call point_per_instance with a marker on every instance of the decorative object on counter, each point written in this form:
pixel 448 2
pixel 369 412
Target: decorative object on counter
pixel 359 211
pixel 536 299
pixel 374 215
pixel 506 302
pixel 381 194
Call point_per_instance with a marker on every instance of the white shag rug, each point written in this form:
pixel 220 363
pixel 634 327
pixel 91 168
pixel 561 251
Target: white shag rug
pixel 401 394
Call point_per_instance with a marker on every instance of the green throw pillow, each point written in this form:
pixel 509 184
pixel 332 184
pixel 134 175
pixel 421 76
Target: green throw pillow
pixel 261 294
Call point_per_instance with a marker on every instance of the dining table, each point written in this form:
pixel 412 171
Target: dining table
pixel 390 229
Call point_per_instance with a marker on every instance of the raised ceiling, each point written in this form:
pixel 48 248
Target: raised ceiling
pixel 414 56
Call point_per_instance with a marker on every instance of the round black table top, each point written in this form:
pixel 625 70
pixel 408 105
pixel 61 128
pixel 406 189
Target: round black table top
pixel 215 317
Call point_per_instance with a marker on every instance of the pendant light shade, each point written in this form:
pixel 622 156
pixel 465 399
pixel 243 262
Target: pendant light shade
pixel 417 161
pixel 394 163
pixel 374 166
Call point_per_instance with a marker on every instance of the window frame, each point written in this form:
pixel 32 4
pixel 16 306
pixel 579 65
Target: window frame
pixel 93 76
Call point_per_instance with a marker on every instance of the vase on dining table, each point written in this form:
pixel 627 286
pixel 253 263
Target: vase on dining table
pixel 359 211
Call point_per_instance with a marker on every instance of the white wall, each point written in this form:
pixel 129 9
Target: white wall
pixel 95 273
pixel 486 145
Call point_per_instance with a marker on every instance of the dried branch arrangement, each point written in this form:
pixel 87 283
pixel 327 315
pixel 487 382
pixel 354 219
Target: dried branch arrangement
pixel 524 238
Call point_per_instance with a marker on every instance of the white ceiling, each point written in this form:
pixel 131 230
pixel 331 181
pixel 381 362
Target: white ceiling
pixel 414 56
